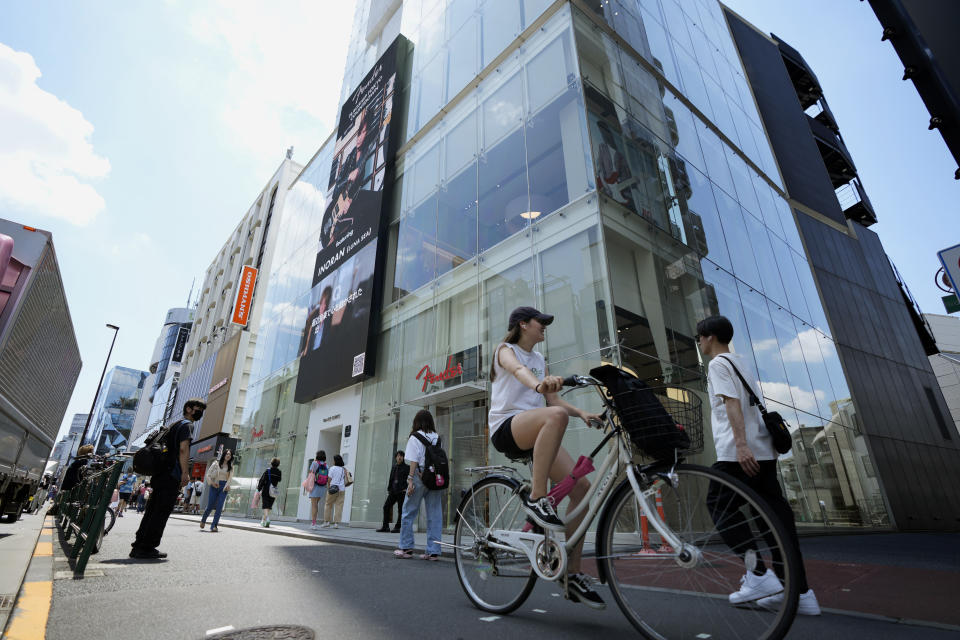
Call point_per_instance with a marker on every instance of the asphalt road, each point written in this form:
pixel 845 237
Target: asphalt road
pixel 243 579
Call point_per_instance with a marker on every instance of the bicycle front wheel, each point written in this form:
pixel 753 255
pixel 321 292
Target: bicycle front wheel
pixel 495 580
pixel 726 529
pixel 109 519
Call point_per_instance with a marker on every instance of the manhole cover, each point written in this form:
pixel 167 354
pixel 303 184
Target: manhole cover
pixel 279 632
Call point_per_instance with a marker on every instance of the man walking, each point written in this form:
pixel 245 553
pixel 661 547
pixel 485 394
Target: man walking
pixel 166 485
pixel 745 451
pixel 396 491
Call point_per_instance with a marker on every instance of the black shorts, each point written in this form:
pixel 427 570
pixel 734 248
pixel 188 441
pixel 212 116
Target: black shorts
pixel 125 496
pixel 502 440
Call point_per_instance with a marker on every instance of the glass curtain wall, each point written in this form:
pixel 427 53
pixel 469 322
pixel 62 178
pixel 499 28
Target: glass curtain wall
pixel 495 210
pixel 686 216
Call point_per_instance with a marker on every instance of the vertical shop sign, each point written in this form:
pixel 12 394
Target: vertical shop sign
pixel 337 344
pixel 241 307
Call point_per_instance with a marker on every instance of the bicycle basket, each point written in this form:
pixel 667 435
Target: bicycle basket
pixel 662 421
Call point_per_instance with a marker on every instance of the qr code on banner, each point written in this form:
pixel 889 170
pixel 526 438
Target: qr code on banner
pixel 358 362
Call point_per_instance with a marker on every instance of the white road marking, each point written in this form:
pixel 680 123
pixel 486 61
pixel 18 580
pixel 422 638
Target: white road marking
pixel 703 636
pixel 555 595
pixel 490 618
pixel 539 611
pixel 210 632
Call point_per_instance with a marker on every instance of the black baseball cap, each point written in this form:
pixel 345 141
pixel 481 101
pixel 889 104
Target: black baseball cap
pixel 522 314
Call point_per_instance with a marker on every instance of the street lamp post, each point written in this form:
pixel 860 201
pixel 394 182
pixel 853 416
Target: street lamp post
pixel 116 329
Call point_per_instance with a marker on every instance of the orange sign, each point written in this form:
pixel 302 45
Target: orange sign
pixel 241 307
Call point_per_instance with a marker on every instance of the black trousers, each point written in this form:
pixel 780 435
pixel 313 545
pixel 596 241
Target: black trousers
pixel 159 507
pixel 726 510
pixel 393 498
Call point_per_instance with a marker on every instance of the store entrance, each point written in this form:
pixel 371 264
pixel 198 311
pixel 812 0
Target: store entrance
pixel 463 429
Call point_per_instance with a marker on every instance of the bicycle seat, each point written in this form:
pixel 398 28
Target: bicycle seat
pixel 525 458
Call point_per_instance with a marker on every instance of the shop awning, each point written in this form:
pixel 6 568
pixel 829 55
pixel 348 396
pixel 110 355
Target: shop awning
pixel 456 393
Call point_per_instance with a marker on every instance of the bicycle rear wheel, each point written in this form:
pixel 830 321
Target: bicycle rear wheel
pixel 668 594
pixel 495 580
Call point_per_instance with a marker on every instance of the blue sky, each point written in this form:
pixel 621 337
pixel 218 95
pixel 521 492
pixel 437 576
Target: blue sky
pixel 152 126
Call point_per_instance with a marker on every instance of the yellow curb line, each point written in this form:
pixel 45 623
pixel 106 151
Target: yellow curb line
pixel 43 549
pixel 29 620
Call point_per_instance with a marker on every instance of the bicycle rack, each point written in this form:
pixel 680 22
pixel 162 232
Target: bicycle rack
pixel 87 504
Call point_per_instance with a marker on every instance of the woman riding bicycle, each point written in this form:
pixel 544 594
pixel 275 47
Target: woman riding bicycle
pixel 521 423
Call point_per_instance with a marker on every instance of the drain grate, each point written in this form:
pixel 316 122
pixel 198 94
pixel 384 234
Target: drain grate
pixel 278 632
pixel 6 601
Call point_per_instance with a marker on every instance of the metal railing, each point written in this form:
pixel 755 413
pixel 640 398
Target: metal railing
pixel 81 512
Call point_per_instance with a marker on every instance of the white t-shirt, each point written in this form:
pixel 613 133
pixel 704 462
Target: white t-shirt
pixel 416 451
pixel 509 396
pixel 722 380
pixel 337 477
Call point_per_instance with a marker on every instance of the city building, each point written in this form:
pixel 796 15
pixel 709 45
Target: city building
pixel 165 366
pixel 946 364
pixel 39 360
pixel 115 409
pixel 67 446
pixel 218 351
pixel 629 167
pixel 923 34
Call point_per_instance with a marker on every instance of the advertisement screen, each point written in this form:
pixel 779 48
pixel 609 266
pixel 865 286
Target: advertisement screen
pixel 335 346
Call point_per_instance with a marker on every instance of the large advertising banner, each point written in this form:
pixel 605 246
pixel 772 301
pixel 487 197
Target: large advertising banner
pixel 336 349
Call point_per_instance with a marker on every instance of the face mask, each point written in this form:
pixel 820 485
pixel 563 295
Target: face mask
pixel 197 414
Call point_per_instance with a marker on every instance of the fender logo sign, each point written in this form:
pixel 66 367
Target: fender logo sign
pixel 254 433
pixel 429 377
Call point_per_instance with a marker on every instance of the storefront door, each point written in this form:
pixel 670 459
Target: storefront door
pixel 462 428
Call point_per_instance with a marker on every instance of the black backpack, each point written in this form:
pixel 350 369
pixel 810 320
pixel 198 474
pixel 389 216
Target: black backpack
pixel 651 427
pixel 436 467
pixel 155 457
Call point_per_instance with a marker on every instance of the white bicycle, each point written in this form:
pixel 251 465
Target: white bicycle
pixel 663 536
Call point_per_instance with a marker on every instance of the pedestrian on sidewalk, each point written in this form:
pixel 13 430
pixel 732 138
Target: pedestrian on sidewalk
pixel 396 491
pixel 219 475
pixel 745 451
pixel 416 492
pixel 267 486
pixel 142 496
pixel 194 505
pixel 167 484
pixel 318 495
pixel 336 486
pixel 125 487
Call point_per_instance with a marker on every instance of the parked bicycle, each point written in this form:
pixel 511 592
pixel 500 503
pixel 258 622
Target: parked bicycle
pixel 658 544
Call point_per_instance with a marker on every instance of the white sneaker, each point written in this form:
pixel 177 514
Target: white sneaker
pixel 754 587
pixel 808 603
pixel 325 525
pixel 313 527
pixel 335 525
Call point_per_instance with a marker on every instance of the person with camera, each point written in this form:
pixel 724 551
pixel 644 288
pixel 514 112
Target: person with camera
pixel 167 486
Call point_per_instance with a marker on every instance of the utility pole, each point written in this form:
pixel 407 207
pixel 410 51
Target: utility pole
pixel 116 329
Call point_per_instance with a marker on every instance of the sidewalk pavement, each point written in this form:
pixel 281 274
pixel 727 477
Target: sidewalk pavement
pixel 26 581
pixel 911 578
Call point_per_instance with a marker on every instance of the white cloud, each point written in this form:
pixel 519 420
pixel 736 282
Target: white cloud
pixel 46 158
pixel 806 342
pixel 793 396
pixel 286 65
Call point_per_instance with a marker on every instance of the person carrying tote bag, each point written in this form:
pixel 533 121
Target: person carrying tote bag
pixel 218 477
pixel 268 490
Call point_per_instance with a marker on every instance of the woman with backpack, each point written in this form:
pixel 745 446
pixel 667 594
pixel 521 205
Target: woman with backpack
pixel 267 486
pixel 218 479
pixel 318 495
pixel 415 455
pixel 336 485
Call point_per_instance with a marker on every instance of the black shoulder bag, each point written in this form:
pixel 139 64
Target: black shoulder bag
pixel 782 441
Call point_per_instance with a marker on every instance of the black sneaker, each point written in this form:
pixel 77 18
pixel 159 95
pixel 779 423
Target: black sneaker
pixel 580 590
pixel 541 512
pixel 152 554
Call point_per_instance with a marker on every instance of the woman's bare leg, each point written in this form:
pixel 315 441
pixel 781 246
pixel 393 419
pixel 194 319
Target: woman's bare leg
pixel 541 430
pixel 561 468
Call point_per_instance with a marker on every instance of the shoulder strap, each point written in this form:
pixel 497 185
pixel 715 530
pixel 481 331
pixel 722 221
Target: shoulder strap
pixel 426 442
pixel 754 400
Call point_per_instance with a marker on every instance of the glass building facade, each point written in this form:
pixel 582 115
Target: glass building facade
pixel 604 162
pixel 116 408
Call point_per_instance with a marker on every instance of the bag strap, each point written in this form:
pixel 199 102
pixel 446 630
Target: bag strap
pixel 426 442
pixel 754 400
